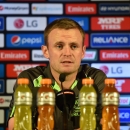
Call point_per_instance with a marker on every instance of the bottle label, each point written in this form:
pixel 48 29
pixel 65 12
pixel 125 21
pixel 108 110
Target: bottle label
pixel 87 98
pixel 23 98
pixel 110 98
pixel 46 98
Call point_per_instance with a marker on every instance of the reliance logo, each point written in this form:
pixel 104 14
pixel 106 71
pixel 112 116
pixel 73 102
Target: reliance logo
pixel 110 40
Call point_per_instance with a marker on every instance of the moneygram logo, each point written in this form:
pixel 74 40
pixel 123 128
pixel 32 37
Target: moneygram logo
pixel 24 40
pixel 83 21
pixel 110 23
pixel 13 70
pixel 80 8
pixel 14 8
pixel 47 9
pixel 125 100
pixel 14 55
pixel 122 85
pixel 110 40
pixel 5 101
pixel 115 55
pixel 112 8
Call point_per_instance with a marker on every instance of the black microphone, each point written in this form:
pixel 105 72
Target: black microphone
pixel 65 100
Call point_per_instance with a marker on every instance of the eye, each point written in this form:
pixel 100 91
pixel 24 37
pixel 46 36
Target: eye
pixel 59 46
pixel 73 46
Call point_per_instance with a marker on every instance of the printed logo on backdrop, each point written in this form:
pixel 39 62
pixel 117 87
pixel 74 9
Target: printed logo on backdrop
pixel 66 0
pixel 2 86
pixel 124 101
pixel 26 0
pixel 114 8
pixel 14 8
pixel 122 85
pixel 80 8
pixel 116 55
pixel 1 40
pixel 26 23
pixel 5 101
pixel 1 23
pixel 25 40
pixel 1 71
pixel 110 23
pixel 90 55
pixel 37 55
pixel 114 69
pixel 14 55
pixel 83 21
pixel 9 85
pixel 47 8
pixel 110 40
pixel 124 127
pixel 124 114
pixel 86 40
pixel 13 70
pixel 2 117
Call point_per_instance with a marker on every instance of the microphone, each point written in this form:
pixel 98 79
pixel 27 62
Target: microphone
pixel 65 100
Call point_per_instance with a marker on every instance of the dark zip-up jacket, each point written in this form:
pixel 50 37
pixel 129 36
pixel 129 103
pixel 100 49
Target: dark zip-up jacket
pixel 36 74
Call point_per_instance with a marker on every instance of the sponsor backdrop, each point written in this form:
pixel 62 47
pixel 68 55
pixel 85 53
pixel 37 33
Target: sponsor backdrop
pixel 107 27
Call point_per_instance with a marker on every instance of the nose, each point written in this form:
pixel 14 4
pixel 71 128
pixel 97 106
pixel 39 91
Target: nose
pixel 67 51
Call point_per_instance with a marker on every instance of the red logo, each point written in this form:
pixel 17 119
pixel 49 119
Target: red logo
pixel 106 55
pixel 80 8
pixel 86 41
pixel 13 70
pixel 18 23
pixel 1 100
pixel 110 23
pixel 1 7
pixel 15 40
pixel 123 85
pixel 104 69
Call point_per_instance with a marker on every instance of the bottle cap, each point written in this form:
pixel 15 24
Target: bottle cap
pixel 46 81
pixel 23 81
pixel 87 81
pixel 110 81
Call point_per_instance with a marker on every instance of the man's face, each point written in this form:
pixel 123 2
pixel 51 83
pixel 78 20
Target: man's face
pixel 65 50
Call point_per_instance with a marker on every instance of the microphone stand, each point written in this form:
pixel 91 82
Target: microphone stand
pixel 66 115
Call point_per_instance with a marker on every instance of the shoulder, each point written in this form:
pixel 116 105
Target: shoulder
pixel 33 72
pixel 92 72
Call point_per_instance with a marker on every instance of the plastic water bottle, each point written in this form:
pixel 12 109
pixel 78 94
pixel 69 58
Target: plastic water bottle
pixel 87 102
pixel 23 102
pixel 110 102
pixel 45 103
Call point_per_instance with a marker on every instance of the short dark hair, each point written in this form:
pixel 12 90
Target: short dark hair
pixel 62 23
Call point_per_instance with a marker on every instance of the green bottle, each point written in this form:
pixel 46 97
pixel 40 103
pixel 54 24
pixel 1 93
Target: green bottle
pixel 87 103
pixel 23 103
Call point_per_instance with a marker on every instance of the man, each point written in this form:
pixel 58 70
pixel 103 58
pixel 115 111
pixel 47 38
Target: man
pixel 64 47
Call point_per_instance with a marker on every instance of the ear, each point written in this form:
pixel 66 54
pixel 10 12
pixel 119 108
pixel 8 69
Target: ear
pixel 84 50
pixel 45 51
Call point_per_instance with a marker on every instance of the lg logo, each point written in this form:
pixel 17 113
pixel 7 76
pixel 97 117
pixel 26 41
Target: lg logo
pixel 20 23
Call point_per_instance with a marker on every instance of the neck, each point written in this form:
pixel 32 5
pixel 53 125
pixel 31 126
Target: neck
pixel 70 78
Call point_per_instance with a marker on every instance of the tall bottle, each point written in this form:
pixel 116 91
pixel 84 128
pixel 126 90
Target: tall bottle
pixel 87 103
pixel 45 103
pixel 110 102
pixel 23 102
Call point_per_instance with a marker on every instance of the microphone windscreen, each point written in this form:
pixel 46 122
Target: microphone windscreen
pixel 69 97
pixel 62 77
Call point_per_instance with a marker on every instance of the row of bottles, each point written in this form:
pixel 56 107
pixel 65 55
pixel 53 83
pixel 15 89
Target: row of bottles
pixel 23 104
pixel 88 102
pixel 46 101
